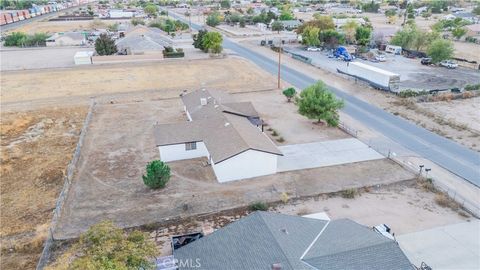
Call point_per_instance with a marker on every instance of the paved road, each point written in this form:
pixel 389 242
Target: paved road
pixel 450 155
pixel 326 153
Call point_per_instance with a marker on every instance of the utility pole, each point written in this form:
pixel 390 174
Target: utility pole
pixel 279 62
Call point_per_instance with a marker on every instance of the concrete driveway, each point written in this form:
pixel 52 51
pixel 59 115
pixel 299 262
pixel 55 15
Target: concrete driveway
pixel 454 246
pixel 321 154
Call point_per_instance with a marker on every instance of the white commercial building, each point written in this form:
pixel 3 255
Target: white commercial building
pixel 229 134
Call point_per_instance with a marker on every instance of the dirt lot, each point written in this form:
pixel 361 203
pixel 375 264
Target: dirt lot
pixel 283 117
pixel 462 131
pixel 63 26
pixel 120 142
pixel 36 147
pixel 232 73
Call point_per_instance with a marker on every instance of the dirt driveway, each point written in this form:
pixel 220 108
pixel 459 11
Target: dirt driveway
pixel 120 142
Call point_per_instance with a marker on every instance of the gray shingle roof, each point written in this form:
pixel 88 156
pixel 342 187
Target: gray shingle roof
pixel 262 239
pixel 225 130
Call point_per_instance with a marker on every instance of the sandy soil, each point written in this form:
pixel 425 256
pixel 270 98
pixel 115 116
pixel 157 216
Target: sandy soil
pixel 232 73
pixel 120 142
pixel 36 147
pixel 414 112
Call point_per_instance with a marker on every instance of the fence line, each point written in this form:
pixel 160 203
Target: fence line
pixel 468 205
pixel 66 187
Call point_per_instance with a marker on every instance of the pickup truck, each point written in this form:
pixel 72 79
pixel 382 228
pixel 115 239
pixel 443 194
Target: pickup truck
pixel 448 64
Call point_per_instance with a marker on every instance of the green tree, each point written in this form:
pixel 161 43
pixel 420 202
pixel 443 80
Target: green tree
pixel 212 42
pixel 289 93
pixel 104 247
pixel 459 32
pixel 158 174
pixel 137 21
pixel 15 39
pixel 370 7
pixel 104 45
pixel 310 36
pixel 277 26
pixel 213 19
pixel 321 22
pixel 225 4
pixel 440 49
pixel 350 29
pixel 331 38
pixel 476 10
pixel 317 102
pixel 286 15
pixel 151 10
pixel 363 35
pixel 390 12
pixel 405 38
pixel 198 40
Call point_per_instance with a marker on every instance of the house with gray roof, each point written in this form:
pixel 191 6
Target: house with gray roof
pixel 227 132
pixel 143 40
pixel 269 241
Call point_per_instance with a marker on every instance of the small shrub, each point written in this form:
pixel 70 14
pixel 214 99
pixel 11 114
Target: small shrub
pixel 258 206
pixel 289 93
pixel 270 129
pixel 349 193
pixel 427 184
pixel 274 133
pixel 471 87
pixel 281 140
pixel 158 174
pixel 284 197
pixel 444 200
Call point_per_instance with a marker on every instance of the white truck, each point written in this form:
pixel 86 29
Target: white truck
pixel 376 77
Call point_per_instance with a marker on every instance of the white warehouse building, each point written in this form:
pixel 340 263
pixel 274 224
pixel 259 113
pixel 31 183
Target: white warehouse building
pixel 228 133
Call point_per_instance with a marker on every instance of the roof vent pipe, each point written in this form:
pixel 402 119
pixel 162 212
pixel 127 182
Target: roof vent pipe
pixel 276 266
pixel 203 101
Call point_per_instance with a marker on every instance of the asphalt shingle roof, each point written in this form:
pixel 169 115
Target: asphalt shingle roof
pixel 262 239
pixel 225 130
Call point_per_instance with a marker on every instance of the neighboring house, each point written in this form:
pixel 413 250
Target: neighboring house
pixel 339 23
pixel 119 13
pixel 291 24
pixel 468 17
pixel 269 241
pixel 143 40
pixel 228 133
pixel 66 39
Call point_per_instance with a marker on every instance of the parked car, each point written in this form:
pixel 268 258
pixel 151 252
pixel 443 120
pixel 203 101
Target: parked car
pixel 380 58
pixel 426 61
pixel 313 49
pixel 448 64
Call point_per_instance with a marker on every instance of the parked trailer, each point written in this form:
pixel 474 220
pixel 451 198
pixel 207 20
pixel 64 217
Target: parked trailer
pixel 376 77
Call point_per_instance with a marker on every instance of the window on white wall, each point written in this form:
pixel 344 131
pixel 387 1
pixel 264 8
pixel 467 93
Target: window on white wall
pixel 190 146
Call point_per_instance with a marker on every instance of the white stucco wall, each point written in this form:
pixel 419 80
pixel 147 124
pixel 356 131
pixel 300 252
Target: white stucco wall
pixel 250 163
pixel 177 152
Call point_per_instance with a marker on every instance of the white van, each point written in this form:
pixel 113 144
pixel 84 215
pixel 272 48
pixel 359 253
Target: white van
pixel 393 49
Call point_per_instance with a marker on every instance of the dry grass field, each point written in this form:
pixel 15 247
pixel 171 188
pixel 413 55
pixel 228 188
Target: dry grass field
pixel 35 150
pixel 234 74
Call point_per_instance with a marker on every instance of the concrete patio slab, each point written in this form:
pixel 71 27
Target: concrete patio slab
pixel 327 153
pixel 454 246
